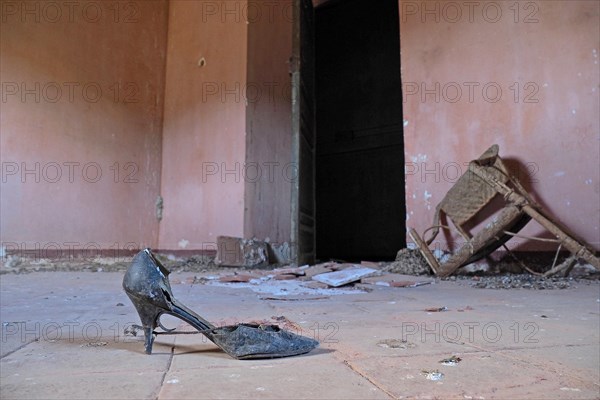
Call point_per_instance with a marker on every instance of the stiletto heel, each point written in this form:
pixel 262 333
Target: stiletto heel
pixel 149 340
pixel 148 288
pixel 150 316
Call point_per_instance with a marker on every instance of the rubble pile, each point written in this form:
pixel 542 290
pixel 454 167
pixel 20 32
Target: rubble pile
pixel 409 262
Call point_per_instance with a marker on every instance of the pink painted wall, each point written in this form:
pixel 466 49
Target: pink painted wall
pixel 81 109
pixel 544 59
pixel 204 138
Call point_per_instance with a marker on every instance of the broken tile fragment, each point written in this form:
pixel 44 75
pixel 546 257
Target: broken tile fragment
pixel 318 269
pixel 342 266
pixel 369 264
pixel 452 361
pixel 436 309
pixel 284 277
pixel 236 278
pixel 190 280
pixel 396 344
pixel 298 271
pixel 345 276
pixel 409 284
pixel 315 285
pixel 433 375
pixel 368 288
pixel 385 279
pixel 289 298
pixel 285 323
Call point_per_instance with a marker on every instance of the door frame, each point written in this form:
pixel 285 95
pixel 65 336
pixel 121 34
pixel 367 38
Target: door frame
pixel 303 202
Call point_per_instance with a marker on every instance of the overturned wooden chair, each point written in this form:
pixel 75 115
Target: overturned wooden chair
pixel 486 178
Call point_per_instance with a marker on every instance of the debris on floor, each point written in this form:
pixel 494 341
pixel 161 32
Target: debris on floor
pixel 407 284
pixel 290 298
pixel 345 276
pixel 237 278
pixel 285 323
pixel 284 277
pixel 451 361
pixel 433 375
pixel 408 262
pixel 298 271
pixel 395 280
pixel 368 327
pixel 437 309
pixel 287 281
pixel 318 269
pixel 521 281
pixel 94 344
pixel 396 344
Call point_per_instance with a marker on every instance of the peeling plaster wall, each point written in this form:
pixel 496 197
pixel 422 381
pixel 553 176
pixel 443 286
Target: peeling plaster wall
pixel 544 59
pixel 80 124
pixel 204 130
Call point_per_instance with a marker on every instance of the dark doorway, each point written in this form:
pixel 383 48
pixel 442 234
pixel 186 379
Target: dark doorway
pixel 360 204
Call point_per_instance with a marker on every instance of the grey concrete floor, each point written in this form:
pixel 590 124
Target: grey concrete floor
pixel 62 338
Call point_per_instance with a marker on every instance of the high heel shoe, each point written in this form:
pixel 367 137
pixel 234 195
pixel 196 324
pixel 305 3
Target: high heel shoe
pixel 148 287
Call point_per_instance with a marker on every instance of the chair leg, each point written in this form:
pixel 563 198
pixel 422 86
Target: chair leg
pixel 579 250
pixel 425 251
pixel 566 266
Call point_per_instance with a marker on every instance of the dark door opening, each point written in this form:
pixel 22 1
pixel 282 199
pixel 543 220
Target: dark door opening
pixel 360 204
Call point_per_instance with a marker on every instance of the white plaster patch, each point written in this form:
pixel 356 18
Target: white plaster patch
pixel 183 243
pixel 419 158
pixel 441 255
pixel 426 197
pixel 173 381
pixel 405 123
pixel 559 173
pixel 573 111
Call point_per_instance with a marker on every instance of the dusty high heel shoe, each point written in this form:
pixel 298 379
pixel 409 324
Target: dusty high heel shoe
pixel 148 287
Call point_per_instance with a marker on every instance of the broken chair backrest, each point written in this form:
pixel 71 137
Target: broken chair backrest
pixel 470 193
pixel 487 177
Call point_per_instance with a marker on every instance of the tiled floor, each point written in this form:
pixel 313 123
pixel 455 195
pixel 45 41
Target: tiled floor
pixel 62 338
